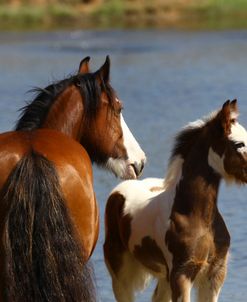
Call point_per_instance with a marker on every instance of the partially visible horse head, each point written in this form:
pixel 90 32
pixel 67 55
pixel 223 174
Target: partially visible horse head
pixel 106 136
pixel 228 152
pixel 86 108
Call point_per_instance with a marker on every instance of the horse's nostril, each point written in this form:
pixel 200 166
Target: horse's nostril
pixel 142 166
pixel 135 167
pixel 138 168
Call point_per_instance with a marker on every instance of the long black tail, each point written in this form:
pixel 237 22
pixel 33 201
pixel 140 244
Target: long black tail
pixel 43 259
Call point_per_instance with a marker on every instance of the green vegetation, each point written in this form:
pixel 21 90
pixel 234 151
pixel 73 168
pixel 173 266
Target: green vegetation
pixel 112 10
pixel 26 14
pixel 29 17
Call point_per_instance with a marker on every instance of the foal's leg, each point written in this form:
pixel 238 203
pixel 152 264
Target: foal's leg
pixel 181 287
pixel 210 286
pixel 162 291
pixel 129 278
pixel 206 293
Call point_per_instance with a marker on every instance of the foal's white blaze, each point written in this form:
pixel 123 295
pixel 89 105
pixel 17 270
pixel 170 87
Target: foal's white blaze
pixel 239 135
pixel 135 156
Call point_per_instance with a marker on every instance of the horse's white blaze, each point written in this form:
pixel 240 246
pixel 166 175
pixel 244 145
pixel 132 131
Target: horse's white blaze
pixel 134 151
pixel 135 156
pixel 239 135
pixel 150 210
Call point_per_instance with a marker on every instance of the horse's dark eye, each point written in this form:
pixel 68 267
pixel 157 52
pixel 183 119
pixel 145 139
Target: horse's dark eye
pixel 119 110
pixel 239 145
pixel 77 83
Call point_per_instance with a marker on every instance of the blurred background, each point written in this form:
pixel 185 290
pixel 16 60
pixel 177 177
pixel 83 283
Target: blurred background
pixel 172 62
pixel 50 14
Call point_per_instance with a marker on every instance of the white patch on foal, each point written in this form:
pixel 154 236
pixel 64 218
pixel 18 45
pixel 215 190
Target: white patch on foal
pixel 239 135
pixel 216 162
pixel 150 210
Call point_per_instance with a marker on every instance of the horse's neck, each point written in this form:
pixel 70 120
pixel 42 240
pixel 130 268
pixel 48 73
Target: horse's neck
pixel 66 114
pixel 197 189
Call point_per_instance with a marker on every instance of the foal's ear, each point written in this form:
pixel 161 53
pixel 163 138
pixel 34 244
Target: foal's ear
pixel 84 65
pixel 103 74
pixel 228 115
pixel 234 107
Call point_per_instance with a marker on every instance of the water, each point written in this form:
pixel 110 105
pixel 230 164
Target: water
pixel 165 79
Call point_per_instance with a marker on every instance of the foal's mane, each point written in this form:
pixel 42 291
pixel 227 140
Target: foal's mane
pixel 34 113
pixel 184 140
pixel 189 134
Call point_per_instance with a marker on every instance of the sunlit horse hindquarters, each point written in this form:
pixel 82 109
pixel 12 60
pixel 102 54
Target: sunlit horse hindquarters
pixel 49 219
pixel 171 228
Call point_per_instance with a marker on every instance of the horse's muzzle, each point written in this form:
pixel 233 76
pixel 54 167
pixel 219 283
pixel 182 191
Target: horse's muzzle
pixel 138 167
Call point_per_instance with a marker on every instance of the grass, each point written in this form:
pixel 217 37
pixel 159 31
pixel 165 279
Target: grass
pixel 111 11
pixel 119 13
pixel 28 17
pixel 220 14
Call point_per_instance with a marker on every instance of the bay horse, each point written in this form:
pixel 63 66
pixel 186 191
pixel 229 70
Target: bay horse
pixel 171 229
pixel 49 217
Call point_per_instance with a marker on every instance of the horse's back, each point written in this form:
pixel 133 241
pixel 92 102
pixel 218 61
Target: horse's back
pixel 72 165
pixel 138 208
pixel 134 242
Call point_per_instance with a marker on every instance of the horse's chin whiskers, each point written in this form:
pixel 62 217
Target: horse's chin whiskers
pixel 122 168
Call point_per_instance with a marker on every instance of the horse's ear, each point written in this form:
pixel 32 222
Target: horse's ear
pixel 84 65
pixel 103 74
pixel 234 107
pixel 228 115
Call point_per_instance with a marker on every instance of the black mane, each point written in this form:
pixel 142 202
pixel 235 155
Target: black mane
pixel 189 134
pixel 34 113
pixel 184 140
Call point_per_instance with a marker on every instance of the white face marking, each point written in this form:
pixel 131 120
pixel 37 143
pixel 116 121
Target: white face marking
pixel 135 156
pixel 239 135
pixel 134 152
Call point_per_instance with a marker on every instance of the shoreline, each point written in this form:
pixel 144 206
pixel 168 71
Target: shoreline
pixel 207 15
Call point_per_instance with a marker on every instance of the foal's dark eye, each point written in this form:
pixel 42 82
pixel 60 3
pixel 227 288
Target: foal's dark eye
pixel 239 145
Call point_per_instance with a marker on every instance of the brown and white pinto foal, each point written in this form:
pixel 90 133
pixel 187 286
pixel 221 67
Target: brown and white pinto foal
pixel 171 229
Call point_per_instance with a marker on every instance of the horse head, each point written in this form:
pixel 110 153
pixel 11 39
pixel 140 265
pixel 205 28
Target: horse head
pixel 106 136
pixel 228 152
pixel 86 108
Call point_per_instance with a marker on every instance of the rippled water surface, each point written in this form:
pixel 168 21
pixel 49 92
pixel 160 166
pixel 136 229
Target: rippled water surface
pixel 165 79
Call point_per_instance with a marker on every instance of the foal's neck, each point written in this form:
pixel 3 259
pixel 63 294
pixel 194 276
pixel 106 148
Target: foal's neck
pixel 197 190
pixel 66 114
